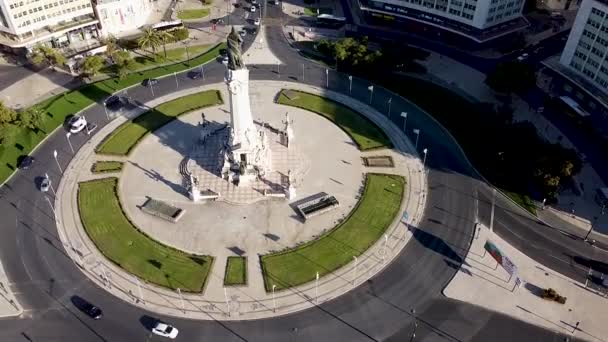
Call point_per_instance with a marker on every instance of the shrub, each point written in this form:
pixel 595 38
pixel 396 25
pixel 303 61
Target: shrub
pixel 551 294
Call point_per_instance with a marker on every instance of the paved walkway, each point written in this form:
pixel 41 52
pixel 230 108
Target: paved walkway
pixel 250 302
pixel 9 306
pixel 482 282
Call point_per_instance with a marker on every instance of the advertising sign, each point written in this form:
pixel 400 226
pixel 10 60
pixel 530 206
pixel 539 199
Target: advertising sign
pixel 500 258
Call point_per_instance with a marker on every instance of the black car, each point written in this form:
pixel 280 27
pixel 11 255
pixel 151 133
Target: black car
pixel 26 162
pixel 149 82
pixel 86 307
pixel 195 74
pixel 113 101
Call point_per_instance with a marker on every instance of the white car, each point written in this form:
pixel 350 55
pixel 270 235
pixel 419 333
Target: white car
pixel 225 60
pixel 165 330
pixel 523 57
pixel 252 9
pixel 242 33
pixel 257 21
pixel 77 124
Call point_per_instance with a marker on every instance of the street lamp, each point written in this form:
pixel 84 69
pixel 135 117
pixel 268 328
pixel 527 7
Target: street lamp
pixel 417 132
pixel 50 183
pixel 278 69
pixel 413 311
pixel 203 71
pixel 86 125
pixel 424 159
pixel 57 161
pixel 176 83
pixel 404 116
pixel 106 110
pixel 350 84
pixel 317 289
pixel 302 71
pixel 390 101
pixel 371 93
pixel 326 78
pixel 152 88
pixel 355 270
pixel 67 135
pixel 274 303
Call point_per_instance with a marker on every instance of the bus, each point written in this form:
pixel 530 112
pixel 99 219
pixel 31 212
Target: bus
pixel 330 21
pixel 168 25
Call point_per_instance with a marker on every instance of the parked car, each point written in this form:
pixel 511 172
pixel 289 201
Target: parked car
pixel 76 124
pixel 225 60
pixel 242 33
pixel 149 82
pixel 257 21
pixel 252 9
pixel 522 57
pixel 45 184
pixel 165 330
pixel 26 162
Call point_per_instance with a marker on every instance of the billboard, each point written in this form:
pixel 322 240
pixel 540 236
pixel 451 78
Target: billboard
pixel 500 258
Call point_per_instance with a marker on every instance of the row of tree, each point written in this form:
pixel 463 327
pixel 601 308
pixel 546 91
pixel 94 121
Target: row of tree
pixel 30 118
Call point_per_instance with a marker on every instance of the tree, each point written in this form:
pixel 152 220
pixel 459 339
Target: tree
pixel 42 54
pixel 511 77
pixel 123 61
pixel 111 46
pixel 180 34
pixel 7 115
pixel 92 65
pixel 150 39
pixel 31 118
pixel 165 37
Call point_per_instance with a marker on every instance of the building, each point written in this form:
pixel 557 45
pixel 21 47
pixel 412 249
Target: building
pixel 558 5
pixel 477 20
pixel 120 17
pixel 579 77
pixel 66 24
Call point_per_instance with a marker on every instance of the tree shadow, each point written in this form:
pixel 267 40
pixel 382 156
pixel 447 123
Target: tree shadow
pixel 436 244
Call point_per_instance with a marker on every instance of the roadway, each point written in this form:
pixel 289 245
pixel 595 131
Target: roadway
pixel 378 310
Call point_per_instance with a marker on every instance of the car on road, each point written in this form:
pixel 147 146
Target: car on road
pixel 242 33
pixel 165 330
pixel 26 162
pixel 522 57
pixel 76 124
pixel 217 21
pixel 45 184
pixel 257 21
pixel 85 306
pixel 91 127
pixel 112 101
pixel 195 75
pixel 274 2
pixel 252 9
pixel 149 82
pixel 254 2
pixel 225 60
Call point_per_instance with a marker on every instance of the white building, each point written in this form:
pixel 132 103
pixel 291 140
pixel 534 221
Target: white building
pixel 478 20
pixel 118 17
pixel 59 23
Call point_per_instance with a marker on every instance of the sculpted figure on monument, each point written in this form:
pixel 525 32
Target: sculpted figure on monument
pixel 235 57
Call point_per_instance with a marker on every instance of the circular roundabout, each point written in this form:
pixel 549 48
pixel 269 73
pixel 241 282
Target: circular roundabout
pixel 329 211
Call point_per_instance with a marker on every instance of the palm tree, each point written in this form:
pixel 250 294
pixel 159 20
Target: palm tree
pixel 111 45
pixel 165 37
pixel 150 39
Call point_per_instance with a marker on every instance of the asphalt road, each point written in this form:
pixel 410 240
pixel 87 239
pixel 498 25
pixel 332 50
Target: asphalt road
pixel 378 310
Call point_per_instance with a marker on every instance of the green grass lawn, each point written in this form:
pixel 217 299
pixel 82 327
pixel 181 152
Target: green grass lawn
pixel 523 200
pixel 193 14
pixel 150 61
pixel 364 132
pixel 368 221
pixel 21 141
pixel 106 166
pixel 122 243
pixel 127 136
pixel 236 271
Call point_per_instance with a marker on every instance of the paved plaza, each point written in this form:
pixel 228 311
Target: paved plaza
pixel 329 163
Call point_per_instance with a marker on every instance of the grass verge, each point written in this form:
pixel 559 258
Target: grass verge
pixel 236 271
pixel 375 211
pixel 523 200
pixel 364 133
pixel 150 61
pixel 106 166
pixel 193 14
pixel 19 141
pixel 122 243
pixel 128 135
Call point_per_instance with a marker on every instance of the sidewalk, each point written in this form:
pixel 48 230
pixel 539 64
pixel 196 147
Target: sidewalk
pixel 9 306
pixel 246 302
pixel 481 281
pixel 471 84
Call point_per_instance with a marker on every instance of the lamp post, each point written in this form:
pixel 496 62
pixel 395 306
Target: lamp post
pixel 413 311
pixel 106 110
pixel 181 298
pixel 152 88
pixel 227 302
pixel 50 183
pixel 417 132
pixel 141 294
pixel 390 101
pixel 326 78
pixel 203 72
pixel 404 116
pixel 51 205
pixel 317 289
pixel 67 135
pixel 425 151
pixel 57 161
pixel 176 83
pixel 355 270
pixel 274 303
pixel 371 93
pixel 492 210
pixel 302 71
pixel 350 85
pixel 278 69
pixel 86 125
pixel 187 52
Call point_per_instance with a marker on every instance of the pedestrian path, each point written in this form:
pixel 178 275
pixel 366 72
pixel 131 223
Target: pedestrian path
pixel 248 302
pixel 9 306
pixel 482 281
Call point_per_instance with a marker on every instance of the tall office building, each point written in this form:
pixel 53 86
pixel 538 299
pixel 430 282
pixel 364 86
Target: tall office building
pixel 59 23
pixel 477 20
